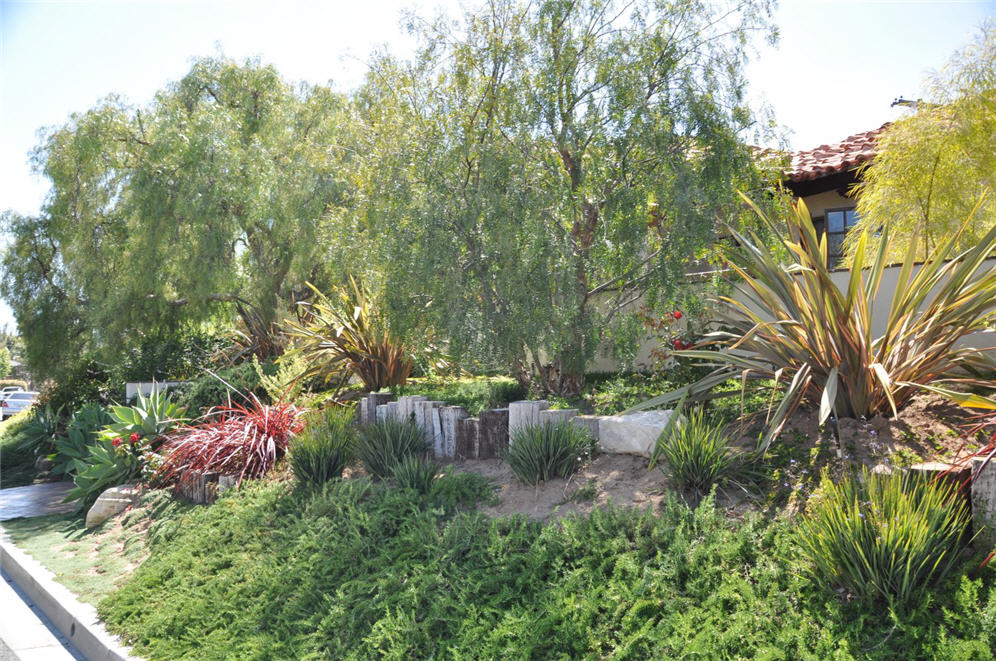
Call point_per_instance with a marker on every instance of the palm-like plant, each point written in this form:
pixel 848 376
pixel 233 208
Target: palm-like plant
pixel 802 329
pixel 343 335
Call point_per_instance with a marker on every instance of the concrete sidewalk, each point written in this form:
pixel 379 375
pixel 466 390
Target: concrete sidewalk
pixel 25 632
pixel 35 500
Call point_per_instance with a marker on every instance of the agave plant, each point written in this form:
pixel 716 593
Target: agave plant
pixel 81 434
pixel 342 335
pixel 800 328
pixel 151 418
pixel 42 430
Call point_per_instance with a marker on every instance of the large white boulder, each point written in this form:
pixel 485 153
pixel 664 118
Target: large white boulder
pixel 635 433
pixel 112 502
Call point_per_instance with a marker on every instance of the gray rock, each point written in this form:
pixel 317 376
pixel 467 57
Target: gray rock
pixel 112 502
pixel 984 500
pixel 43 464
pixel 635 433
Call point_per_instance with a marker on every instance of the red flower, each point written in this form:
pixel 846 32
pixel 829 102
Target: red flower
pixel 116 442
pixel 134 438
pixel 677 314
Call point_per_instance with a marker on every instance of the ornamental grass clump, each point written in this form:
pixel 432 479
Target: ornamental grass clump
pixel 417 473
pixel 323 448
pixel 882 538
pixel 382 445
pixel 695 453
pixel 541 452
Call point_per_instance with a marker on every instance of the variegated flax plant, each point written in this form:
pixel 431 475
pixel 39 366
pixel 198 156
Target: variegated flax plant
pixel 343 334
pixel 801 329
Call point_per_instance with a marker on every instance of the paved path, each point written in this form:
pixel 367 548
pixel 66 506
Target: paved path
pixel 25 632
pixel 35 500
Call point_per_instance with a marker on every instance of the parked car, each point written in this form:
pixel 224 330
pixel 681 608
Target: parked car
pixel 15 402
pixel 6 390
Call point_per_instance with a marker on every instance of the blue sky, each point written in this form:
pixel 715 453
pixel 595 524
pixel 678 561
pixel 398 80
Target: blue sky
pixel 837 67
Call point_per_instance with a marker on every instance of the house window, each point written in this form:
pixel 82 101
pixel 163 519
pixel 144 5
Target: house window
pixel 838 222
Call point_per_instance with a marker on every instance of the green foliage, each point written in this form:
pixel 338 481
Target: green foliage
pixel 416 472
pixel 104 466
pixel 804 330
pixel 932 166
pixel 383 444
pixel 81 433
pixel 212 390
pixel 41 430
pixel 475 394
pixel 83 382
pixel 320 452
pixel 696 453
pixel 286 383
pixel 168 355
pixel 150 418
pixel 5 364
pixel 17 464
pixel 579 153
pixel 162 217
pixel 370 571
pixel 883 538
pixel 542 452
pixel 344 334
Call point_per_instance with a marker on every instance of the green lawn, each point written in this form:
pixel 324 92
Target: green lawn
pixel 92 563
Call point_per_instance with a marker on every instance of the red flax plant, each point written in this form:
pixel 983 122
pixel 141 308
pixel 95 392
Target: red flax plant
pixel 236 440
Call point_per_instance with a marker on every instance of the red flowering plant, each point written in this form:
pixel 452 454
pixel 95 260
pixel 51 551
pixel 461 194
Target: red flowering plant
pixel 136 432
pixel 245 441
pixel 671 335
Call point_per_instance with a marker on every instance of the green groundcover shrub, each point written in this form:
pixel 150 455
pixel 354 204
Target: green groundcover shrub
pixel 362 570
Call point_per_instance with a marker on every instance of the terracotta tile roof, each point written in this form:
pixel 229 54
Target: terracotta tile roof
pixel 825 160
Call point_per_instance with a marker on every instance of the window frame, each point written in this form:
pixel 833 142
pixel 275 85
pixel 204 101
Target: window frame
pixel 847 228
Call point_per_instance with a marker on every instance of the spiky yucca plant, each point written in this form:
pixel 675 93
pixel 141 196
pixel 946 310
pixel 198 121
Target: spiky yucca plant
pixel 800 328
pixel 342 334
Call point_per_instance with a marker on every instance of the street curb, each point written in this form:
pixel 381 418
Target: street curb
pixel 75 620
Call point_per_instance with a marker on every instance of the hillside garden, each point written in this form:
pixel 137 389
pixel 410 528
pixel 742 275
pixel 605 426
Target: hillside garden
pixel 478 226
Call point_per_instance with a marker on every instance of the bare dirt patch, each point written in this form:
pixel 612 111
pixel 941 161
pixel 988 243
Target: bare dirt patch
pixel 608 478
pixel 929 428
